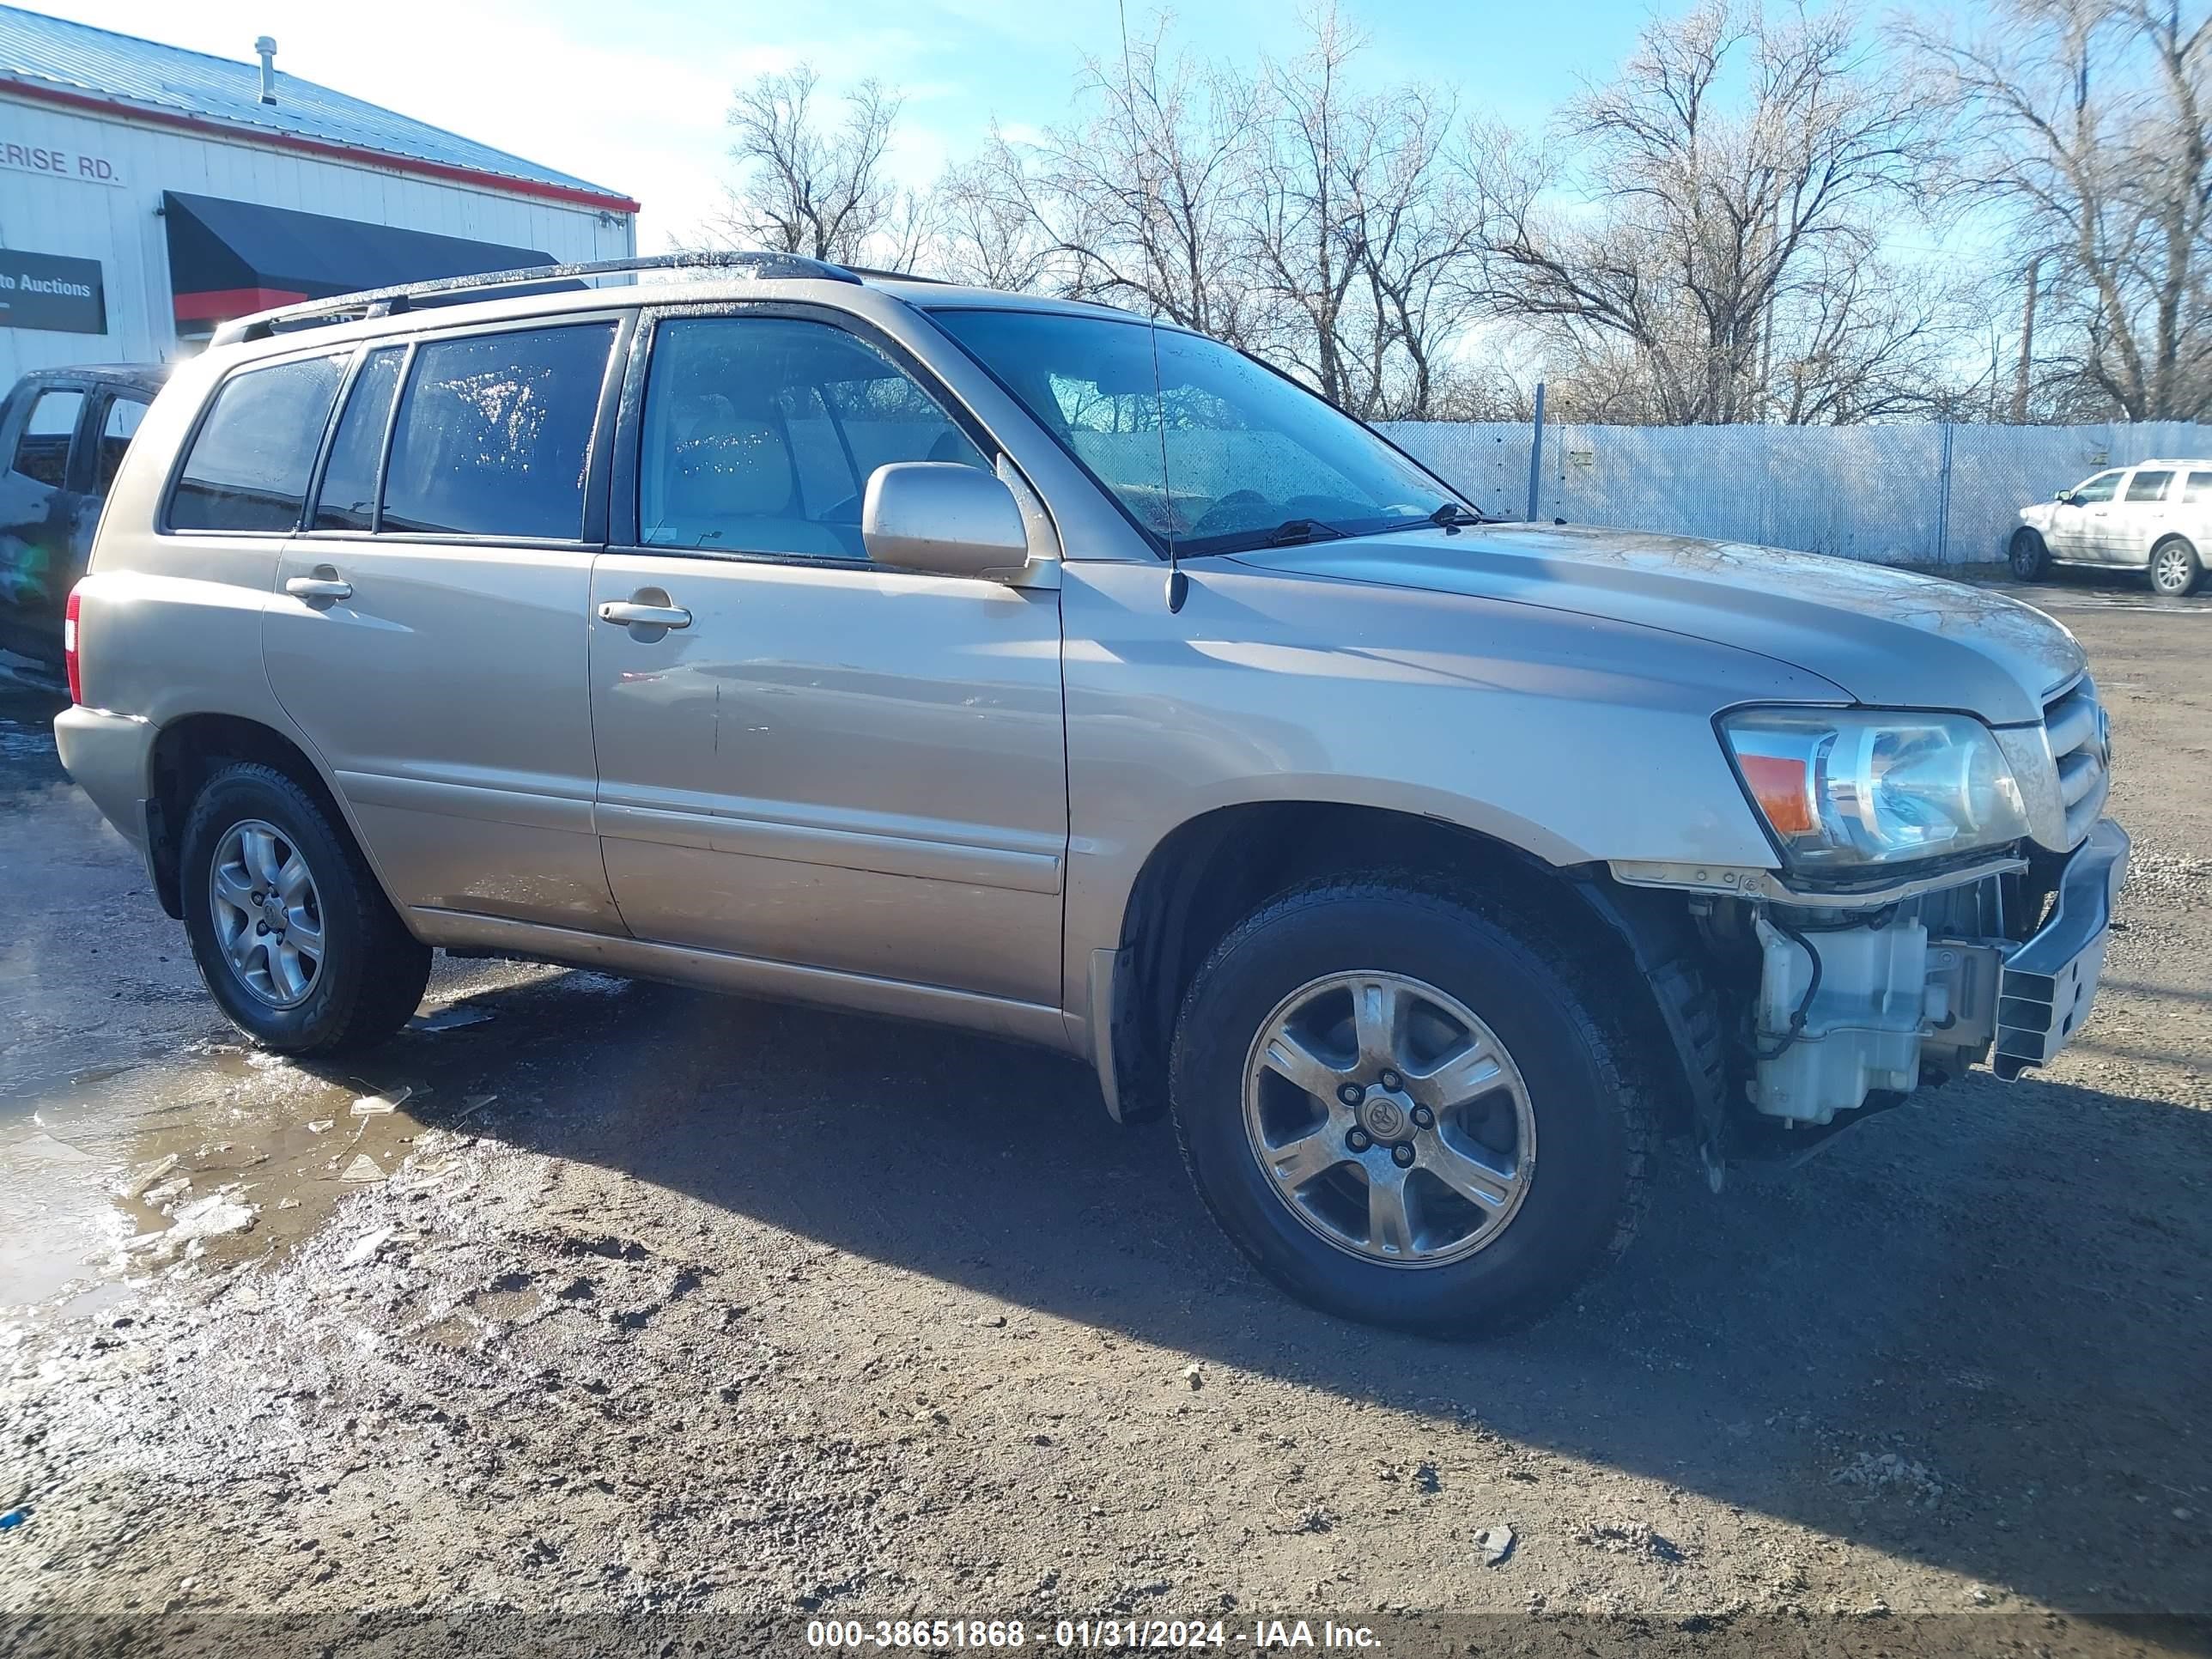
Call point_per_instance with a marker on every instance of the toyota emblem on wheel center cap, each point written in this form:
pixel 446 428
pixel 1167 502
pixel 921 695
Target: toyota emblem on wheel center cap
pixel 1383 1118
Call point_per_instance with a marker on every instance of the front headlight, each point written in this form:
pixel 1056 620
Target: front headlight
pixel 1844 787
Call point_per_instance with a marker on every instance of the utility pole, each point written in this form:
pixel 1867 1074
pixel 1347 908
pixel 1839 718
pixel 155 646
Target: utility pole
pixel 2026 345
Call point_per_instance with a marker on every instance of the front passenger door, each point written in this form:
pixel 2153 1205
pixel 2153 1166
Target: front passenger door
pixel 804 758
pixel 2077 523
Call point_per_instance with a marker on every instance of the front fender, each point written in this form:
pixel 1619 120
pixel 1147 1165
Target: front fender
pixel 1575 739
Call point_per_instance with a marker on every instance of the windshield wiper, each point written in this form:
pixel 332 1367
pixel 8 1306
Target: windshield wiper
pixel 1450 516
pixel 1292 533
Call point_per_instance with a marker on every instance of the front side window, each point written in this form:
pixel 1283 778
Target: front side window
pixel 248 464
pixel 1203 447
pixel 2098 489
pixel 2200 489
pixel 2148 486
pixel 346 500
pixel 116 429
pixel 43 450
pixel 760 434
pixel 494 433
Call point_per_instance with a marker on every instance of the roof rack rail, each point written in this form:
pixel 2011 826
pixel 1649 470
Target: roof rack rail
pixel 384 301
pixel 883 276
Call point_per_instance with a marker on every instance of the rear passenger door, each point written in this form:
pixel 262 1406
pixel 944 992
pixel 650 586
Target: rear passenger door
pixel 2139 516
pixel 425 632
pixel 2193 515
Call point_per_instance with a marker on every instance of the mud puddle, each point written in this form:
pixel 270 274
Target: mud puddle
pixel 130 1169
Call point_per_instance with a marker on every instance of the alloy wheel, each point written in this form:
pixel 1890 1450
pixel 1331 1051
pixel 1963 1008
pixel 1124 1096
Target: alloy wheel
pixel 2171 571
pixel 1389 1119
pixel 268 913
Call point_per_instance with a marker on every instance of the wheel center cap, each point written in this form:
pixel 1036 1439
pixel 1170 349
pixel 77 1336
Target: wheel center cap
pixel 272 911
pixel 1384 1117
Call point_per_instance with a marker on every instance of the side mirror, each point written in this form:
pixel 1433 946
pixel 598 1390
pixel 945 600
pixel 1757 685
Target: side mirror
pixel 945 519
pixel 2064 496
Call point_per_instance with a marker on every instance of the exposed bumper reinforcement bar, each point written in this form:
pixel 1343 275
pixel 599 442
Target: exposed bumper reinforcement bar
pixel 2049 982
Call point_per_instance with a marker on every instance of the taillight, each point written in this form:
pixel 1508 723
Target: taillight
pixel 69 646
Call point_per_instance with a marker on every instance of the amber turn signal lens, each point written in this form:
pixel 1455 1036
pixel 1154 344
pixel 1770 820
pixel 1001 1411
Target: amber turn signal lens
pixel 1777 784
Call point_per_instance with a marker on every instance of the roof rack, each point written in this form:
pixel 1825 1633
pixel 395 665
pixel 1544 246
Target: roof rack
pixel 384 302
pixel 883 276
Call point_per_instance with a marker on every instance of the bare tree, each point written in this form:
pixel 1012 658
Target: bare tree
pixel 990 230
pixel 1352 227
pixel 2091 137
pixel 1422 232
pixel 803 189
pixel 1135 201
pixel 1712 229
pixel 1309 173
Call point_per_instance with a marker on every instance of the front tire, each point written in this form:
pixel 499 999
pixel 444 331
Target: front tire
pixel 293 936
pixel 2174 568
pixel 1363 1073
pixel 2029 558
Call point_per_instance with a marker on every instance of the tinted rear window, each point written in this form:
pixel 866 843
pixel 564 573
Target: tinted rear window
pixel 494 432
pixel 120 425
pixel 346 500
pixel 43 451
pixel 247 467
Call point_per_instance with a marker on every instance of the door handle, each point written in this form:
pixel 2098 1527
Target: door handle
pixel 318 587
pixel 631 614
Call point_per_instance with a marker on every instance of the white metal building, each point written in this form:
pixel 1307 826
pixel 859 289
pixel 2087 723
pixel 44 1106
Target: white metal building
pixel 147 193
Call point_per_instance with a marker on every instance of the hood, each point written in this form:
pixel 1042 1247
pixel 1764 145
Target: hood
pixel 1889 638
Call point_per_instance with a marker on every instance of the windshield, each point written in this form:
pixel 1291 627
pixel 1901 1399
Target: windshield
pixel 1219 454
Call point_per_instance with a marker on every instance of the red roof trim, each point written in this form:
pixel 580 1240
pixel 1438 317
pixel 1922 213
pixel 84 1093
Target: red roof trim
pixel 220 305
pixel 551 192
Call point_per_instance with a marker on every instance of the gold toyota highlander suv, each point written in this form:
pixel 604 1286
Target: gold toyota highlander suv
pixel 1026 667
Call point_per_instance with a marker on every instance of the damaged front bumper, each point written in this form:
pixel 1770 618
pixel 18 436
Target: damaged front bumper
pixel 2048 983
pixel 1853 1005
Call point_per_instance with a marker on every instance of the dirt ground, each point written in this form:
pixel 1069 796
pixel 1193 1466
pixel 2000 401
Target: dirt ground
pixel 647 1321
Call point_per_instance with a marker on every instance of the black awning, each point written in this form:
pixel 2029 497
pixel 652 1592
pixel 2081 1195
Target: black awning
pixel 229 258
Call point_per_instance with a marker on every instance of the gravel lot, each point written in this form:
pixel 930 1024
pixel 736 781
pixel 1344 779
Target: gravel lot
pixel 711 1317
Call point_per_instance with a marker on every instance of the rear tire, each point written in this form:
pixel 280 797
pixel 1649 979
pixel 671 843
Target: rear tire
pixel 2175 569
pixel 1476 979
pixel 2029 558
pixel 292 934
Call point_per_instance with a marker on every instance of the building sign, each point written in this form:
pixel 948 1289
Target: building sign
pixel 57 161
pixel 47 291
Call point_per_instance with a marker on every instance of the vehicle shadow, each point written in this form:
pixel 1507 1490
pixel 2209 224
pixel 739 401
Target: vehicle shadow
pixel 2007 1285
pixel 2111 581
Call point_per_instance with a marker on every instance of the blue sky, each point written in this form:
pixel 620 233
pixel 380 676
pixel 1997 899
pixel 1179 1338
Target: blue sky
pixel 633 95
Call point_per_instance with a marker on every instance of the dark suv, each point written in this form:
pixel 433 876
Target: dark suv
pixel 63 432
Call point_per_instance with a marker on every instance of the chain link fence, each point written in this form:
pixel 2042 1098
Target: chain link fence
pixel 1896 495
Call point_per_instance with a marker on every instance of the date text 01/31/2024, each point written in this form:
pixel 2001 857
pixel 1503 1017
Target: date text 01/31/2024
pixel 1087 1635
